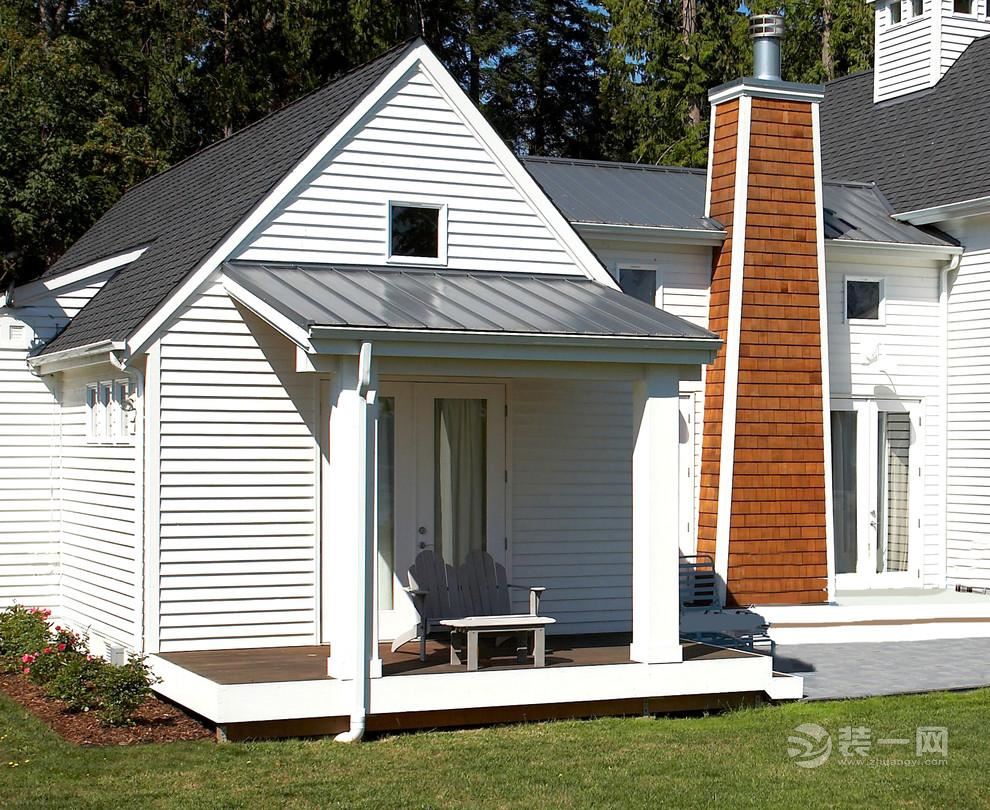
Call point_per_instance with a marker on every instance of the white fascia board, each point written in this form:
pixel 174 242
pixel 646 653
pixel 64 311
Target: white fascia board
pixel 88 355
pixel 761 88
pixel 267 313
pixel 938 252
pixel 148 330
pixel 651 233
pixel 43 286
pixel 940 213
pixel 516 346
pixel 514 170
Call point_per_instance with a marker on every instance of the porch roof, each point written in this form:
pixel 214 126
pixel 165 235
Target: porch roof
pixel 456 302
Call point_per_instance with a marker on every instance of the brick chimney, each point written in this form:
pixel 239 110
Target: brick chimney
pixel 765 504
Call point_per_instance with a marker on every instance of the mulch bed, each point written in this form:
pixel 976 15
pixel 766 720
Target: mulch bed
pixel 157 721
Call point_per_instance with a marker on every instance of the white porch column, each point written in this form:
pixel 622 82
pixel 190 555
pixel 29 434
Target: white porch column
pixel 656 601
pixel 349 526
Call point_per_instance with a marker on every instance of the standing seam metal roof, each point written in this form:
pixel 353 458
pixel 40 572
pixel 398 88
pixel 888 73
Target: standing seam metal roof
pixel 426 299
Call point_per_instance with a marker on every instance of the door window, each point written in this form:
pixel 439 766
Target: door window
pixel 460 477
pixel 844 484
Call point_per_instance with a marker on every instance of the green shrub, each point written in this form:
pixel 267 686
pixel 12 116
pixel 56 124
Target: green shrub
pixel 23 632
pixel 76 681
pixel 123 689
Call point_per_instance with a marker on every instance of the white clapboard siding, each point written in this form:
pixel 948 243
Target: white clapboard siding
pixel 571 507
pixel 909 365
pixel 237 484
pixel 903 52
pixel 959 31
pixel 29 435
pixel 414 148
pixel 100 554
pixel 968 497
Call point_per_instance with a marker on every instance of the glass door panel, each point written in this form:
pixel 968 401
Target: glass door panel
pixel 844 491
pixel 460 468
pixel 893 530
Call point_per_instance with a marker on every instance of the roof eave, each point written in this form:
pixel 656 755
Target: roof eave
pixel 652 233
pixel 940 213
pixel 89 355
pixel 931 251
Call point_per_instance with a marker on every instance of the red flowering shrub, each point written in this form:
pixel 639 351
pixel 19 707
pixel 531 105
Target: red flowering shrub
pixel 23 631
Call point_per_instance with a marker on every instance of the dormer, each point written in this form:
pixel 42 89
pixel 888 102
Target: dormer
pixel 918 40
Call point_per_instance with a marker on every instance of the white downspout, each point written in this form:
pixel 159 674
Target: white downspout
pixel 365 551
pixel 948 267
pixel 139 457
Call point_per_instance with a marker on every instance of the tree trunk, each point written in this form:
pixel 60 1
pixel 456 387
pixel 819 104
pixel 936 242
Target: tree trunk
pixel 828 56
pixel 689 27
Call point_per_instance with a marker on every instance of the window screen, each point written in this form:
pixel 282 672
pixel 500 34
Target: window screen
pixel 863 300
pixel 415 231
pixel 639 283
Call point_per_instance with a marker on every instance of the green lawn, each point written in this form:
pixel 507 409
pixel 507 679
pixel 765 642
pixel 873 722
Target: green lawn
pixel 732 760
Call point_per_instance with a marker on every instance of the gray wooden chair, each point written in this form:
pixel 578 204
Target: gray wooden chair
pixel 477 587
pixel 705 618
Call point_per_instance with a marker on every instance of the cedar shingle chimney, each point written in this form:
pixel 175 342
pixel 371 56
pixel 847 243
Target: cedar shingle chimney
pixel 764 500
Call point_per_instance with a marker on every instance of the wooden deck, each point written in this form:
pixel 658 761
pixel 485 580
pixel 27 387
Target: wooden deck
pixel 286 664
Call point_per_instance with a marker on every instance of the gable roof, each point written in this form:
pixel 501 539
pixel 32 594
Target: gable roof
pixel 184 212
pixel 492 303
pixel 607 193
pixel 925 149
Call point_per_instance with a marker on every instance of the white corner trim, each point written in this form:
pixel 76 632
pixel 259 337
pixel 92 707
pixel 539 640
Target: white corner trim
pixel 816 130
pixel 935 44
pixel 732 339
pixel 67 279
pixel 651 233
pixel 940 213
pixel 267 313
pixel 514 170
pixel 710 167
pixel 148 330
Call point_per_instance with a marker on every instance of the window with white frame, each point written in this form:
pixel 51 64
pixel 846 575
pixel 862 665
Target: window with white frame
pixel 641 282
pixel 109 412
pixel 964 7
pixel 417 232
pixel 917 8
pixel 864 300
pixel 895 12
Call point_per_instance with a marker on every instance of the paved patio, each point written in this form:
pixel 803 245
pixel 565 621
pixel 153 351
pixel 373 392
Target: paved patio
pixel 859 670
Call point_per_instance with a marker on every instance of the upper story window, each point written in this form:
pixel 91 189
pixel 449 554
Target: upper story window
pixel 895 12
pixel 639 282
pixel 963 6
pixel 417 232
pixel 109 412
pixel 864 300
pixel 917 8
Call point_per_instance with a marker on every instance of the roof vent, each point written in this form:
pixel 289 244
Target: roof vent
pixel 766 31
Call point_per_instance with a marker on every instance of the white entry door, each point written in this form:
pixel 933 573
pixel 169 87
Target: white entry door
pixel 876 490
pixel 441 476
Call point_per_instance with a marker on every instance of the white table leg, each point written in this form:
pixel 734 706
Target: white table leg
pixel 539 647
pixel 472 650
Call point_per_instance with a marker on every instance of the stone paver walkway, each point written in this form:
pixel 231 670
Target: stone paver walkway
pixel 889 668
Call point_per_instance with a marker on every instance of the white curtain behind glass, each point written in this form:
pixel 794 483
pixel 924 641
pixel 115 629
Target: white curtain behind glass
pixel 460 477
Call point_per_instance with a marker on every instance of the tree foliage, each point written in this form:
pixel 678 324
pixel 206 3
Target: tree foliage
pixel 96 95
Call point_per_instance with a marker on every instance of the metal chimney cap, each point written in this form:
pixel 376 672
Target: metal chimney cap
pixel 766 26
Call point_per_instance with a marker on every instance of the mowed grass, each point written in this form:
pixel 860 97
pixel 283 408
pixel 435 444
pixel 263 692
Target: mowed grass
pixel 737 759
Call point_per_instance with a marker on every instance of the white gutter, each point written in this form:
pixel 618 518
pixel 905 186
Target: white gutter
pixel 77 357
pixel 139 511
pixel 686 236
pixel 935 251
pixel 940 213
pixel 365 552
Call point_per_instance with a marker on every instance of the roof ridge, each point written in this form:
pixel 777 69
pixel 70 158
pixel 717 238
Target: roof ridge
pixel 622 164
pixel 298 100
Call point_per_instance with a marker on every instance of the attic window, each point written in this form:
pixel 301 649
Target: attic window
pixel 962 6
pixel 864 300
pixel 895 12
pixel 640 283
pixel 417 232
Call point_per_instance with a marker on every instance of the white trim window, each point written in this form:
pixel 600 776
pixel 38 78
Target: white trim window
pixel 109 412
pixel 417 232
pixel 917 8
pixel 864 301
pixel 964 8
pixel 641 281
pixel 895 12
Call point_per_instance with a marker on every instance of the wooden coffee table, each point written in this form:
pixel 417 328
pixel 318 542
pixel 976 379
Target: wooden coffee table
pixel 516 625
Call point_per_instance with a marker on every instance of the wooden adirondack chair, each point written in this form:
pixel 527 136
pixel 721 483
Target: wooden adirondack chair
pixel 703 616
pixel 478 587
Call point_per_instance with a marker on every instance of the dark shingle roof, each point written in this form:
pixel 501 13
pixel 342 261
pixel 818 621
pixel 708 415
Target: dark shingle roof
pixel 670 197
pixel 597 191
pixel 184 212
pixel 516 303
pixel 925 149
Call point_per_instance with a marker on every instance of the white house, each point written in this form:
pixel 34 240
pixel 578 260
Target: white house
pixel 239 406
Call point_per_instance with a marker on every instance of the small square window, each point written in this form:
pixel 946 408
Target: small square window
pixel 864 300
pixel 414 231
pixel 639 282
pixel 917 8
pixel 895 12
pixel 962 6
